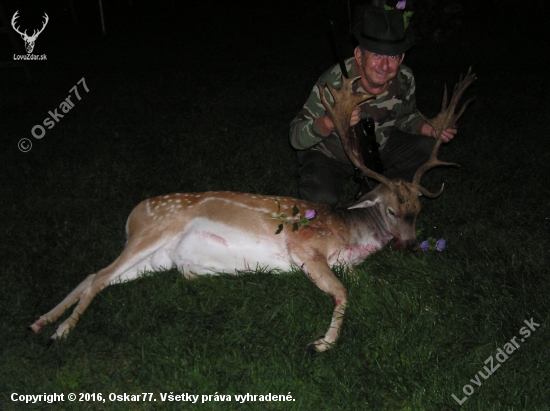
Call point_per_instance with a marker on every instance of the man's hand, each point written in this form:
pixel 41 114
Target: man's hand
pixel 449 134
pixel 446 136
pixel 328 125
pixel 355 116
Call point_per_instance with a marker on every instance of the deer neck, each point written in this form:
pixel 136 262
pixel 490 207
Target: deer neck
pixel 366 232
pixel 369 225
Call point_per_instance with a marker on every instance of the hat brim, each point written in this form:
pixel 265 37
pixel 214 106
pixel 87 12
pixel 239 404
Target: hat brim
pixel 384 48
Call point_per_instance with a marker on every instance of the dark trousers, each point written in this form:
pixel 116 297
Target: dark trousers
pixel 321 178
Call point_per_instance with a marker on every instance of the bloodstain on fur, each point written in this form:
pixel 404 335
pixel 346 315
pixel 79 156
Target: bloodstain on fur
pixel 211 236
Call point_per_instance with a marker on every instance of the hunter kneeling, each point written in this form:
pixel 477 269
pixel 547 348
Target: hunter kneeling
pixel 405 140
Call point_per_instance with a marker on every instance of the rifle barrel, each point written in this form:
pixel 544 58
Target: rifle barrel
pixel 343 68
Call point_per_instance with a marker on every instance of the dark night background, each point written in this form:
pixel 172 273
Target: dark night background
pixel 204 47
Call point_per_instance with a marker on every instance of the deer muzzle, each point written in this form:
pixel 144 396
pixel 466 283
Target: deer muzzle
pixel 410 245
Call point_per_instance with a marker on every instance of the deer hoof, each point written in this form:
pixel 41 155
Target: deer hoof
pixel 311 349
pixel 318 346
pixel 37 326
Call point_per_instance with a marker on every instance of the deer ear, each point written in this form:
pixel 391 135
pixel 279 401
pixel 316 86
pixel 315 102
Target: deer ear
pixel 368 200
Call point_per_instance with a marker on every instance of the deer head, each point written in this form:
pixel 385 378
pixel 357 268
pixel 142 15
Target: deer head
pixel 29 40
pixel 397 200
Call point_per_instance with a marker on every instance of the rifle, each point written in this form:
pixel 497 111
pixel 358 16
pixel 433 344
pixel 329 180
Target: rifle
pixel 368 146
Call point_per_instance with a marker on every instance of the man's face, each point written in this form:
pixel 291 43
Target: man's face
pixel 377 69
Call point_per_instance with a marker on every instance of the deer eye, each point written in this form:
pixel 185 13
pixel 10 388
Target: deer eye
pixel 391 212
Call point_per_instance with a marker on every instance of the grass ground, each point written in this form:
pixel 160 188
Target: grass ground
pixel 196 100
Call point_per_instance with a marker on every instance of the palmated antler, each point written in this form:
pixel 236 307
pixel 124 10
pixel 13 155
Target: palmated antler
pixel 445 119
pixel 345 101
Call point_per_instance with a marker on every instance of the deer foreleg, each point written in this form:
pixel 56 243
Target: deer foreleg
pixel 320 273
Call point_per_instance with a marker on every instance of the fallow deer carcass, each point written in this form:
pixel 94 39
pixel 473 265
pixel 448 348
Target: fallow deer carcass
pixel 213 232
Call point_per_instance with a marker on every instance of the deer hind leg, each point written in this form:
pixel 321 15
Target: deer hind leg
pixel 320 273
pixel 82 296
pixel 127 266
pixel 59 309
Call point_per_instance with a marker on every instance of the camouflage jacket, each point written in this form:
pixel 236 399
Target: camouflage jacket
pixel 396 107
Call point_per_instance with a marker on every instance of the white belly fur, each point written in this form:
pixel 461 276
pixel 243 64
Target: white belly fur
pixel 209 247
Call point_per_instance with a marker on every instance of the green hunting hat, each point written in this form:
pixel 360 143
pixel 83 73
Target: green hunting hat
pixel 382 31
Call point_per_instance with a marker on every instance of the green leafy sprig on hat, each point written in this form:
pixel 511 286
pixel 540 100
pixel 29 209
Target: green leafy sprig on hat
pixel 401 6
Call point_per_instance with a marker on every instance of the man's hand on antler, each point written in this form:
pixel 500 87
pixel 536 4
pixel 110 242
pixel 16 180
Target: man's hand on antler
pixel 446 136
pixel 355 116
pixel 329 125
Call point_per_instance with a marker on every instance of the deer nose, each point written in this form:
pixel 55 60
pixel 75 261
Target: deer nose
pixel 411 245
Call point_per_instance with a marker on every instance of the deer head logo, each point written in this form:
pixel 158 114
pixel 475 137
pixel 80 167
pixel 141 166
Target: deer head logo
pixel 29 40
